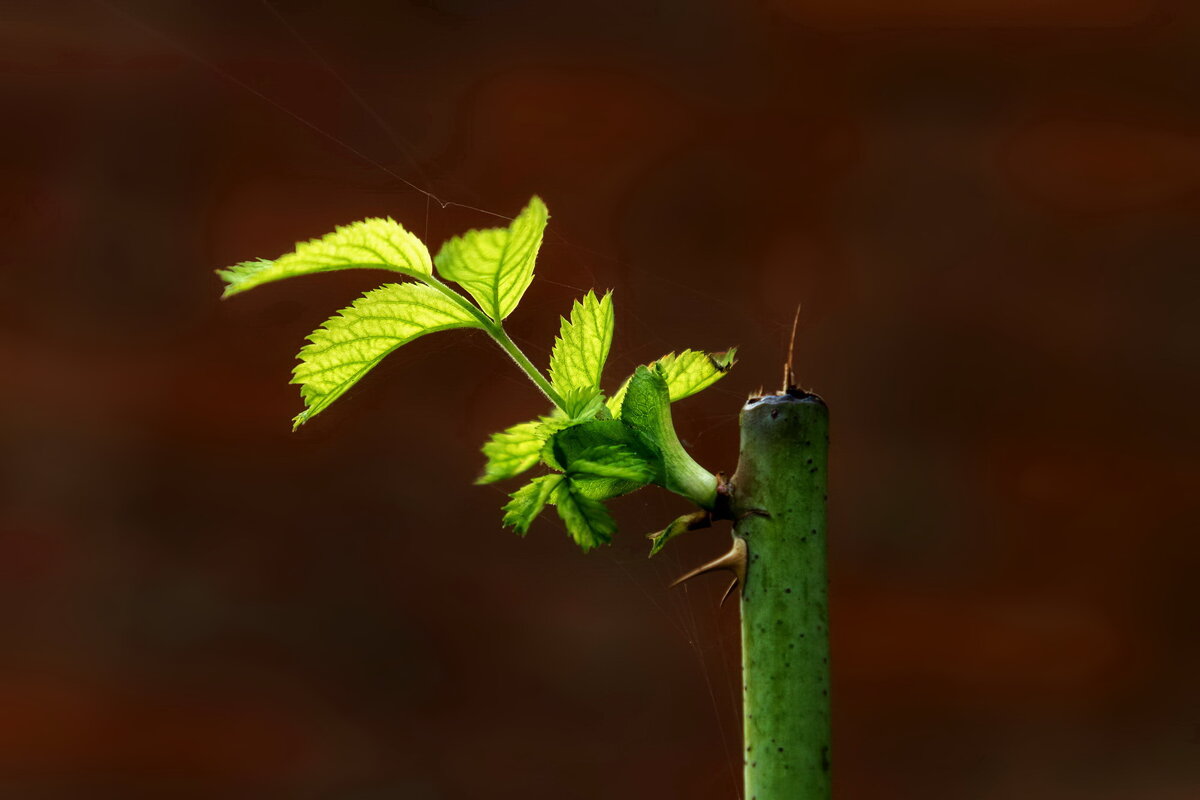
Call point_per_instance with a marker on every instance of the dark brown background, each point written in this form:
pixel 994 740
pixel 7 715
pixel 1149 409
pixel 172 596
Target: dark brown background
pixel 988 209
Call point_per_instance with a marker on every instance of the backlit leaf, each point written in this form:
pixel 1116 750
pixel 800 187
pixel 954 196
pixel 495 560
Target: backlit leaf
pixel 685 374
pixel 587 520
pixel 496 265
pixel 357 338
pixel 369 244
pixel 528 501
pixel 583 343
pixel 582 402
pixel 512 451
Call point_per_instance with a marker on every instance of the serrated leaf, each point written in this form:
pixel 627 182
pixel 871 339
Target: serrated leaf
pixel 587 520
pixel 357 338
pixel 582 402
pixel 528 501
pixel 567 443
pixel 370 244
pixel 611 461
pixel 583 343
pixel 512 451
pixel 496 265
pixel 567 447
pixel 685 374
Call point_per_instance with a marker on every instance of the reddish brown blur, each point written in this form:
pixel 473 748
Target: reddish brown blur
pixel 989 211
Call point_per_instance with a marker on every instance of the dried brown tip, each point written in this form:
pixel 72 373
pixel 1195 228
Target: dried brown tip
pixel 734 561
pixel 789 375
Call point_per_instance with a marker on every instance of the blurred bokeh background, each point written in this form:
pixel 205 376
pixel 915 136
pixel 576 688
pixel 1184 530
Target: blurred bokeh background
pixel 988 210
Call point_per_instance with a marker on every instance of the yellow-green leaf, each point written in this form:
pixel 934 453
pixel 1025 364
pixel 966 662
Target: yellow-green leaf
pixel 357 338
pixel 496 265
pixel 583 343
pixel 369 244
pixel 513 450
pixel 528 501
pixel 685 374
pixel 587 520
pixel 582 402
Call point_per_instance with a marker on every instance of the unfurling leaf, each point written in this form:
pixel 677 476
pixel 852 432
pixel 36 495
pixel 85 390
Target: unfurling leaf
pixel 370 244
pixel 647 411
pixel 610 461
pixel 496 265
pixel 528 501
pixel 583 343
pixel 587 520
pixel 688 522
pixel 685 374
pixel 350 343
pixel 582 402
pixel 568 443
pixel 512 451
pixel 582 449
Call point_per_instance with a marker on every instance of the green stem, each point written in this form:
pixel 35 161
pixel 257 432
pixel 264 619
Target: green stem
pixel 497 332
pixel 509 346
pixel 779 493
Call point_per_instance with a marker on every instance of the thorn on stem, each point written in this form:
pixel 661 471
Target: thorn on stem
pixel 734 561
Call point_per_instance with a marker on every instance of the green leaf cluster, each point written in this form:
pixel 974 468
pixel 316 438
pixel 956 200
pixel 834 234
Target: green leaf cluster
pixel 596 447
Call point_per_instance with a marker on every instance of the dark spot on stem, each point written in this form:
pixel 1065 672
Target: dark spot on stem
pixel 825 758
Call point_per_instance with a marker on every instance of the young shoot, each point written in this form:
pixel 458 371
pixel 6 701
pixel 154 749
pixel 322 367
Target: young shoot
pixel 594 446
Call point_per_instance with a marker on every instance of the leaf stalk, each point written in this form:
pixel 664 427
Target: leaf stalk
pixel 501 337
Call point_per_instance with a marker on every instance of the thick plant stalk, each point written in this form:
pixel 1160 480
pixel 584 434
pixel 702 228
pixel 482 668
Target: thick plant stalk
pixel 779 494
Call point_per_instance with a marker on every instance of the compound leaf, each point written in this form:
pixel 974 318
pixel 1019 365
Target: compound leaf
pixel 528 501
pixel 587 520
pixel 583 343
pixel 357 338
pixel 685 374
pixel 496 265
pixel 370 244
